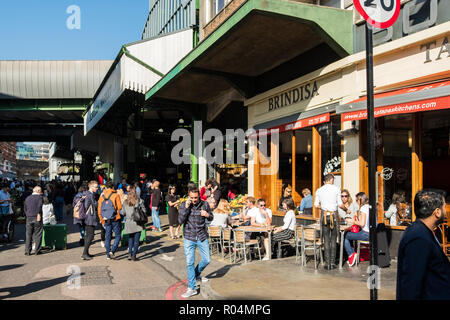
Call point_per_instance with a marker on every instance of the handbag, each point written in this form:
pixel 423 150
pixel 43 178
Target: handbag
pixel 139 216
pixel 354 228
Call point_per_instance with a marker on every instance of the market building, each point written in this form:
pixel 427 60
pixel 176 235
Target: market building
pixel 237 59
pixel 314 93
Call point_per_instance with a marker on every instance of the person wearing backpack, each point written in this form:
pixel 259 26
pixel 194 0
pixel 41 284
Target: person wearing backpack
pixel 76 220
pixel 109 206
pixel 133 208
pixel 90 220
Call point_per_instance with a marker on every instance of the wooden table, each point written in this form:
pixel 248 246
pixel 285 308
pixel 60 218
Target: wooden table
pixel 251 229
pixel 342 230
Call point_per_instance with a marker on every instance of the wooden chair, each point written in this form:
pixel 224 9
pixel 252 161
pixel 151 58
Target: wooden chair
pixel 215 237
pixel 298 241
pixel 226 241
pixel 241 245
pixel 310 240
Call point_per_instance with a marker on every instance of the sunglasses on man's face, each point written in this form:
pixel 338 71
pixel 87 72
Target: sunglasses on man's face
pixel 262 205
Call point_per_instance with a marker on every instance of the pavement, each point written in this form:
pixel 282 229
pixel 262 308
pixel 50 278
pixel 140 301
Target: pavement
pixel 160 274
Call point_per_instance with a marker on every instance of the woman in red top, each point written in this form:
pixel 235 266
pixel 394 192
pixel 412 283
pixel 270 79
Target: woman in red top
pixel 203 194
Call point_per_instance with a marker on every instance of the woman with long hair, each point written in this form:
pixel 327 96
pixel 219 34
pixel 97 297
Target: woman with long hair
pixel 222 214
pixel 173 201
pixel 287 230
pixel 361 219
pixel 132 228
pixel 351 206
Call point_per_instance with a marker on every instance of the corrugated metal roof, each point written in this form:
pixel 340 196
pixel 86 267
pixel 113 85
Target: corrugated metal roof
pixel 20 79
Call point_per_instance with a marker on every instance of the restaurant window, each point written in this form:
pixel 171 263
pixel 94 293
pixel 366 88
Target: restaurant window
pixel 331 148
pixel 436 149
pixel 396 147
pixel 303 160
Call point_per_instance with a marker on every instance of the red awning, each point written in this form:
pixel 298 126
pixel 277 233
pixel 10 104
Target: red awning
pixel 428 104
pixel 299 124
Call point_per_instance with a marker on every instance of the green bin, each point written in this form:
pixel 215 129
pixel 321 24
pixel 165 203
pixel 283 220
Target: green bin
pixel 55 236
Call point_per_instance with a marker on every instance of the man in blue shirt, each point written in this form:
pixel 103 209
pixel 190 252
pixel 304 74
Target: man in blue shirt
pixel 5 199
pixel 423 271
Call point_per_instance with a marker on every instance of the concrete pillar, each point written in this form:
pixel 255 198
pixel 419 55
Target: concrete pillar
pixel 195 143
pixel 118 160
pixel 351 162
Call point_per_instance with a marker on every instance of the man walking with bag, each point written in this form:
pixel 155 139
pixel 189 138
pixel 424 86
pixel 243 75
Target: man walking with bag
pixel 109 206
pixel 90 221
pixel 193 215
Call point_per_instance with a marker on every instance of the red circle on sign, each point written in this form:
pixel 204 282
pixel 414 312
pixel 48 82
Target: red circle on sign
pixel 377 24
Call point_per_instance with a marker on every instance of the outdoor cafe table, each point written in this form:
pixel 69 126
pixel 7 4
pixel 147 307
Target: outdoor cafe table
pixel 342 230
pixel 251 229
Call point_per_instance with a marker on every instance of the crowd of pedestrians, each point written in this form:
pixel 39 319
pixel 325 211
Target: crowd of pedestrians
pixel 125 208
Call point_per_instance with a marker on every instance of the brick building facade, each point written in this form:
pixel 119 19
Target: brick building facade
pixel 8 164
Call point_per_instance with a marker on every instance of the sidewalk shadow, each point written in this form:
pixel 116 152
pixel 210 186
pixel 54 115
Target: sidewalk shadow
pixel 165 250
pixel 220 272
pixel 15 292
pixel 143 249
pixel 10 266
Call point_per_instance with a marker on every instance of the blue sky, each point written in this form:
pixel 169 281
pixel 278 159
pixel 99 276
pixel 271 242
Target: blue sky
pixel 37 30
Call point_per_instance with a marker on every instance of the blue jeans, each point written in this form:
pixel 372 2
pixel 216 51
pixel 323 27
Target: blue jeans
pixel 133 243
pixel 361 235
pixel 155 218
pixel 110 227
pixel 4 209
pixel 189 252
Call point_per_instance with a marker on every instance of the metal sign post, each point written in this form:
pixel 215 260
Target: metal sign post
pixel 380 14
pixel 372 163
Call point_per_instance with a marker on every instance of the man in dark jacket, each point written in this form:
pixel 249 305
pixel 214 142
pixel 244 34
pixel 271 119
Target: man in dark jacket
pixel 34 226
pixel 156 202
pixel 193 215
pixel 423 270
pixel 90 206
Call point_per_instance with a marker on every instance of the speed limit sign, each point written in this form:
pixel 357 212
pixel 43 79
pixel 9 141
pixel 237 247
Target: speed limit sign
pixel 379 13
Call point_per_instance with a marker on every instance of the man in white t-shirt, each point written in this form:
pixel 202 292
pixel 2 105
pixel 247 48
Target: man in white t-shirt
pixel 328 199
pixel 251 209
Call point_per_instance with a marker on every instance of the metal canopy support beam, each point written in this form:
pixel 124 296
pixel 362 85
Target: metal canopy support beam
pixel 43 104
pixel 243 84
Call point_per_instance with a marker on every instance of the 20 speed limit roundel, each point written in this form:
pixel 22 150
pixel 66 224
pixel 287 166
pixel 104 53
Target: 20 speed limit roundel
pixel 379 13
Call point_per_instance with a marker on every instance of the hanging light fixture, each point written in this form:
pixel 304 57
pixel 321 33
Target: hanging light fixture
pixel 161 130
pixel 181 121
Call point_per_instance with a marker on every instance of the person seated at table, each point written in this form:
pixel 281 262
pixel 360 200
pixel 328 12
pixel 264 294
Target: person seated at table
pixel 287 194
pixel 362 220
pixel 306 204
pixel 287 230
pixel 222 215
pixel 351 207
pixel 262 217
pixel 249 210
pixel 398 198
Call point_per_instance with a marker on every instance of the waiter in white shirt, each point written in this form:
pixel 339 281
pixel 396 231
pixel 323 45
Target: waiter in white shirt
pixel 328 199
